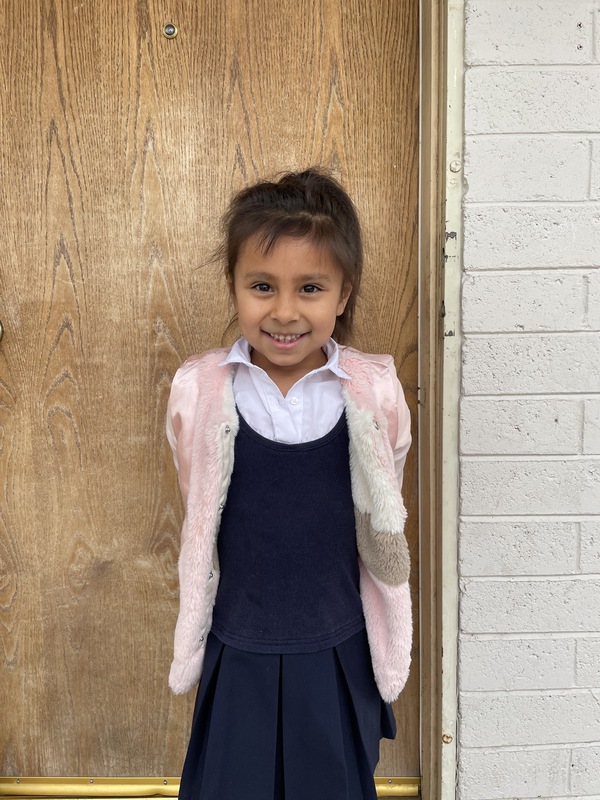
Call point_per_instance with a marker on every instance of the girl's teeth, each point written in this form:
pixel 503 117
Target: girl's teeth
pixel 288 338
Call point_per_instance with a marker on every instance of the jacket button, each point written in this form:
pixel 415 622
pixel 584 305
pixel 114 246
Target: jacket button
pixel 375 424
pixel 210 575
pixel 221 506
pixel 227 429
pixel 201 639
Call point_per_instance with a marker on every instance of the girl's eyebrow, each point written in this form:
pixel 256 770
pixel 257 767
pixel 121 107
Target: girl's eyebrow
pixel 309 278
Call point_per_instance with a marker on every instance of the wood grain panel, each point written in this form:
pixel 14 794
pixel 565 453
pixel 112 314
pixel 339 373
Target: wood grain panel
pixel 120 151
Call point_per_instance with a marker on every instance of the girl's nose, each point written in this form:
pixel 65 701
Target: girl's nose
pixel 284 309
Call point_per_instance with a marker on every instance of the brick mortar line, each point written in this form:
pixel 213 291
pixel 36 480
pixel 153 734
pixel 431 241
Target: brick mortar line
pixel 525 67
pixel 519 748
pixel 539 458
pixel 500 693
pixel 528 334
pixel 469 454
pixel 590 185
pixel 534 135
pixel 545 797
pixel 554 332
pixel 521 577
pixel 514 748
pixel 550 396
pixel 595 53
pixel 519 204
pixel 574 396
pixel 562 516
pixel 575 577
pixel 558 517
pixel 514 271
pixel 526 270
pixel 528 637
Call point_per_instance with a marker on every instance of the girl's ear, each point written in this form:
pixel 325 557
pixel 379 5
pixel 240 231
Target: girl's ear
pixel 231 288
pixel 344 297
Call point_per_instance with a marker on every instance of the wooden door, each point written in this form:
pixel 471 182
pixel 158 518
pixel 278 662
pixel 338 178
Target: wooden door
pixel 119 150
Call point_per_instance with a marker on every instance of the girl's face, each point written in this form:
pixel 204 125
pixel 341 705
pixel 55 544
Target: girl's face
pixel 287 301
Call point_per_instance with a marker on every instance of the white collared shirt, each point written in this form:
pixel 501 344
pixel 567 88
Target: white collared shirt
pixel 310 409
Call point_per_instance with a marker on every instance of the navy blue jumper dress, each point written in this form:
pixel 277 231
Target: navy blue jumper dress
pixel 287 707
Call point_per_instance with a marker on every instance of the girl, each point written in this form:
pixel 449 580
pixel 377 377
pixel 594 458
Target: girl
pixel 295 606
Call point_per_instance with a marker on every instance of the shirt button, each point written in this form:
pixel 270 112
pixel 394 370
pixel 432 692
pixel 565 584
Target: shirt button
pixel 294 401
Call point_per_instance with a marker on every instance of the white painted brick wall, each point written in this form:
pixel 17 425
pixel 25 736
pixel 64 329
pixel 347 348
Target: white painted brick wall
pixel 515 773
pixel 524 547
pixel 537 100
pixel 529 539
pixel 590 548
pixel 591 426
pixel 493 486
pixel 536 718
pixel 587 662
pixel 526 301
pixel 518 664
pixel 543 364
pixel 551 32
pixel 526 425
pixel 595 165
pixel 585 770
pixel 530 168
pixel 532 236
pixel 503 605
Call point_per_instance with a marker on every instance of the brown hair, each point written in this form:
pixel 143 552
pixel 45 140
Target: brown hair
pixel 307 205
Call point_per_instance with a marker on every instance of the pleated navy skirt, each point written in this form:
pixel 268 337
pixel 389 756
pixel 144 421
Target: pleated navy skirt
pixel 270 726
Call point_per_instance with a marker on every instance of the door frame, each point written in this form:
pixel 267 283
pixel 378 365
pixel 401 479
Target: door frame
pixel 441 115
pixel 437 511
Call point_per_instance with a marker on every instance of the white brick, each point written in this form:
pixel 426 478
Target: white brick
pixel 499 169
pixel 590 547
pixel 519 100
pixel 525 487
pixel 588 663
pixel 591 426
pixel 585 770
pixel 593 303
pixel 533 364
pixel 516 664
pixel 525 301
pixel 520 32
pixel 489 720
pixel 520 426
pixel 532 547
pixel 530 606
pixel 521 237
pixel 595 166
pixel 513 773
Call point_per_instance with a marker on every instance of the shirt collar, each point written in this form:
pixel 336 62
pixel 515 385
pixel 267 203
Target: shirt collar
pixel 240 354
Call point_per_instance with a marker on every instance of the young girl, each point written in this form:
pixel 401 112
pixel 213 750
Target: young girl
pixel 295 606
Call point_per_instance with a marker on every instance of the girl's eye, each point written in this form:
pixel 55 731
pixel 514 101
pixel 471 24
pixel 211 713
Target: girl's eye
pixel 310 289
pixel 262 287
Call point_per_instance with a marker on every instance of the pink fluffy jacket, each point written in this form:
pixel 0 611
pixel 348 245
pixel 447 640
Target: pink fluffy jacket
pixel 201 426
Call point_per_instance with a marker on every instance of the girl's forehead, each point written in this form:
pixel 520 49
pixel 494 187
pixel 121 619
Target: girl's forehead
pixel 285 249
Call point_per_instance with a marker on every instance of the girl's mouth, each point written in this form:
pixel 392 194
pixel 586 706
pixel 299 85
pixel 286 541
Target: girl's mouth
pixel 285 339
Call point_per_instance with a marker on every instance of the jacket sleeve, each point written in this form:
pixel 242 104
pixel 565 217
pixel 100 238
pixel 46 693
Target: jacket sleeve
pixel 403 437
pixel 181 410
pixel 398 415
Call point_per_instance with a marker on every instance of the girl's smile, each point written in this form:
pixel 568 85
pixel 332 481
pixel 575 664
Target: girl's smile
pixel 287 301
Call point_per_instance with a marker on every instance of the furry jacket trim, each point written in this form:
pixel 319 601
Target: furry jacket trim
pixel 201 426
